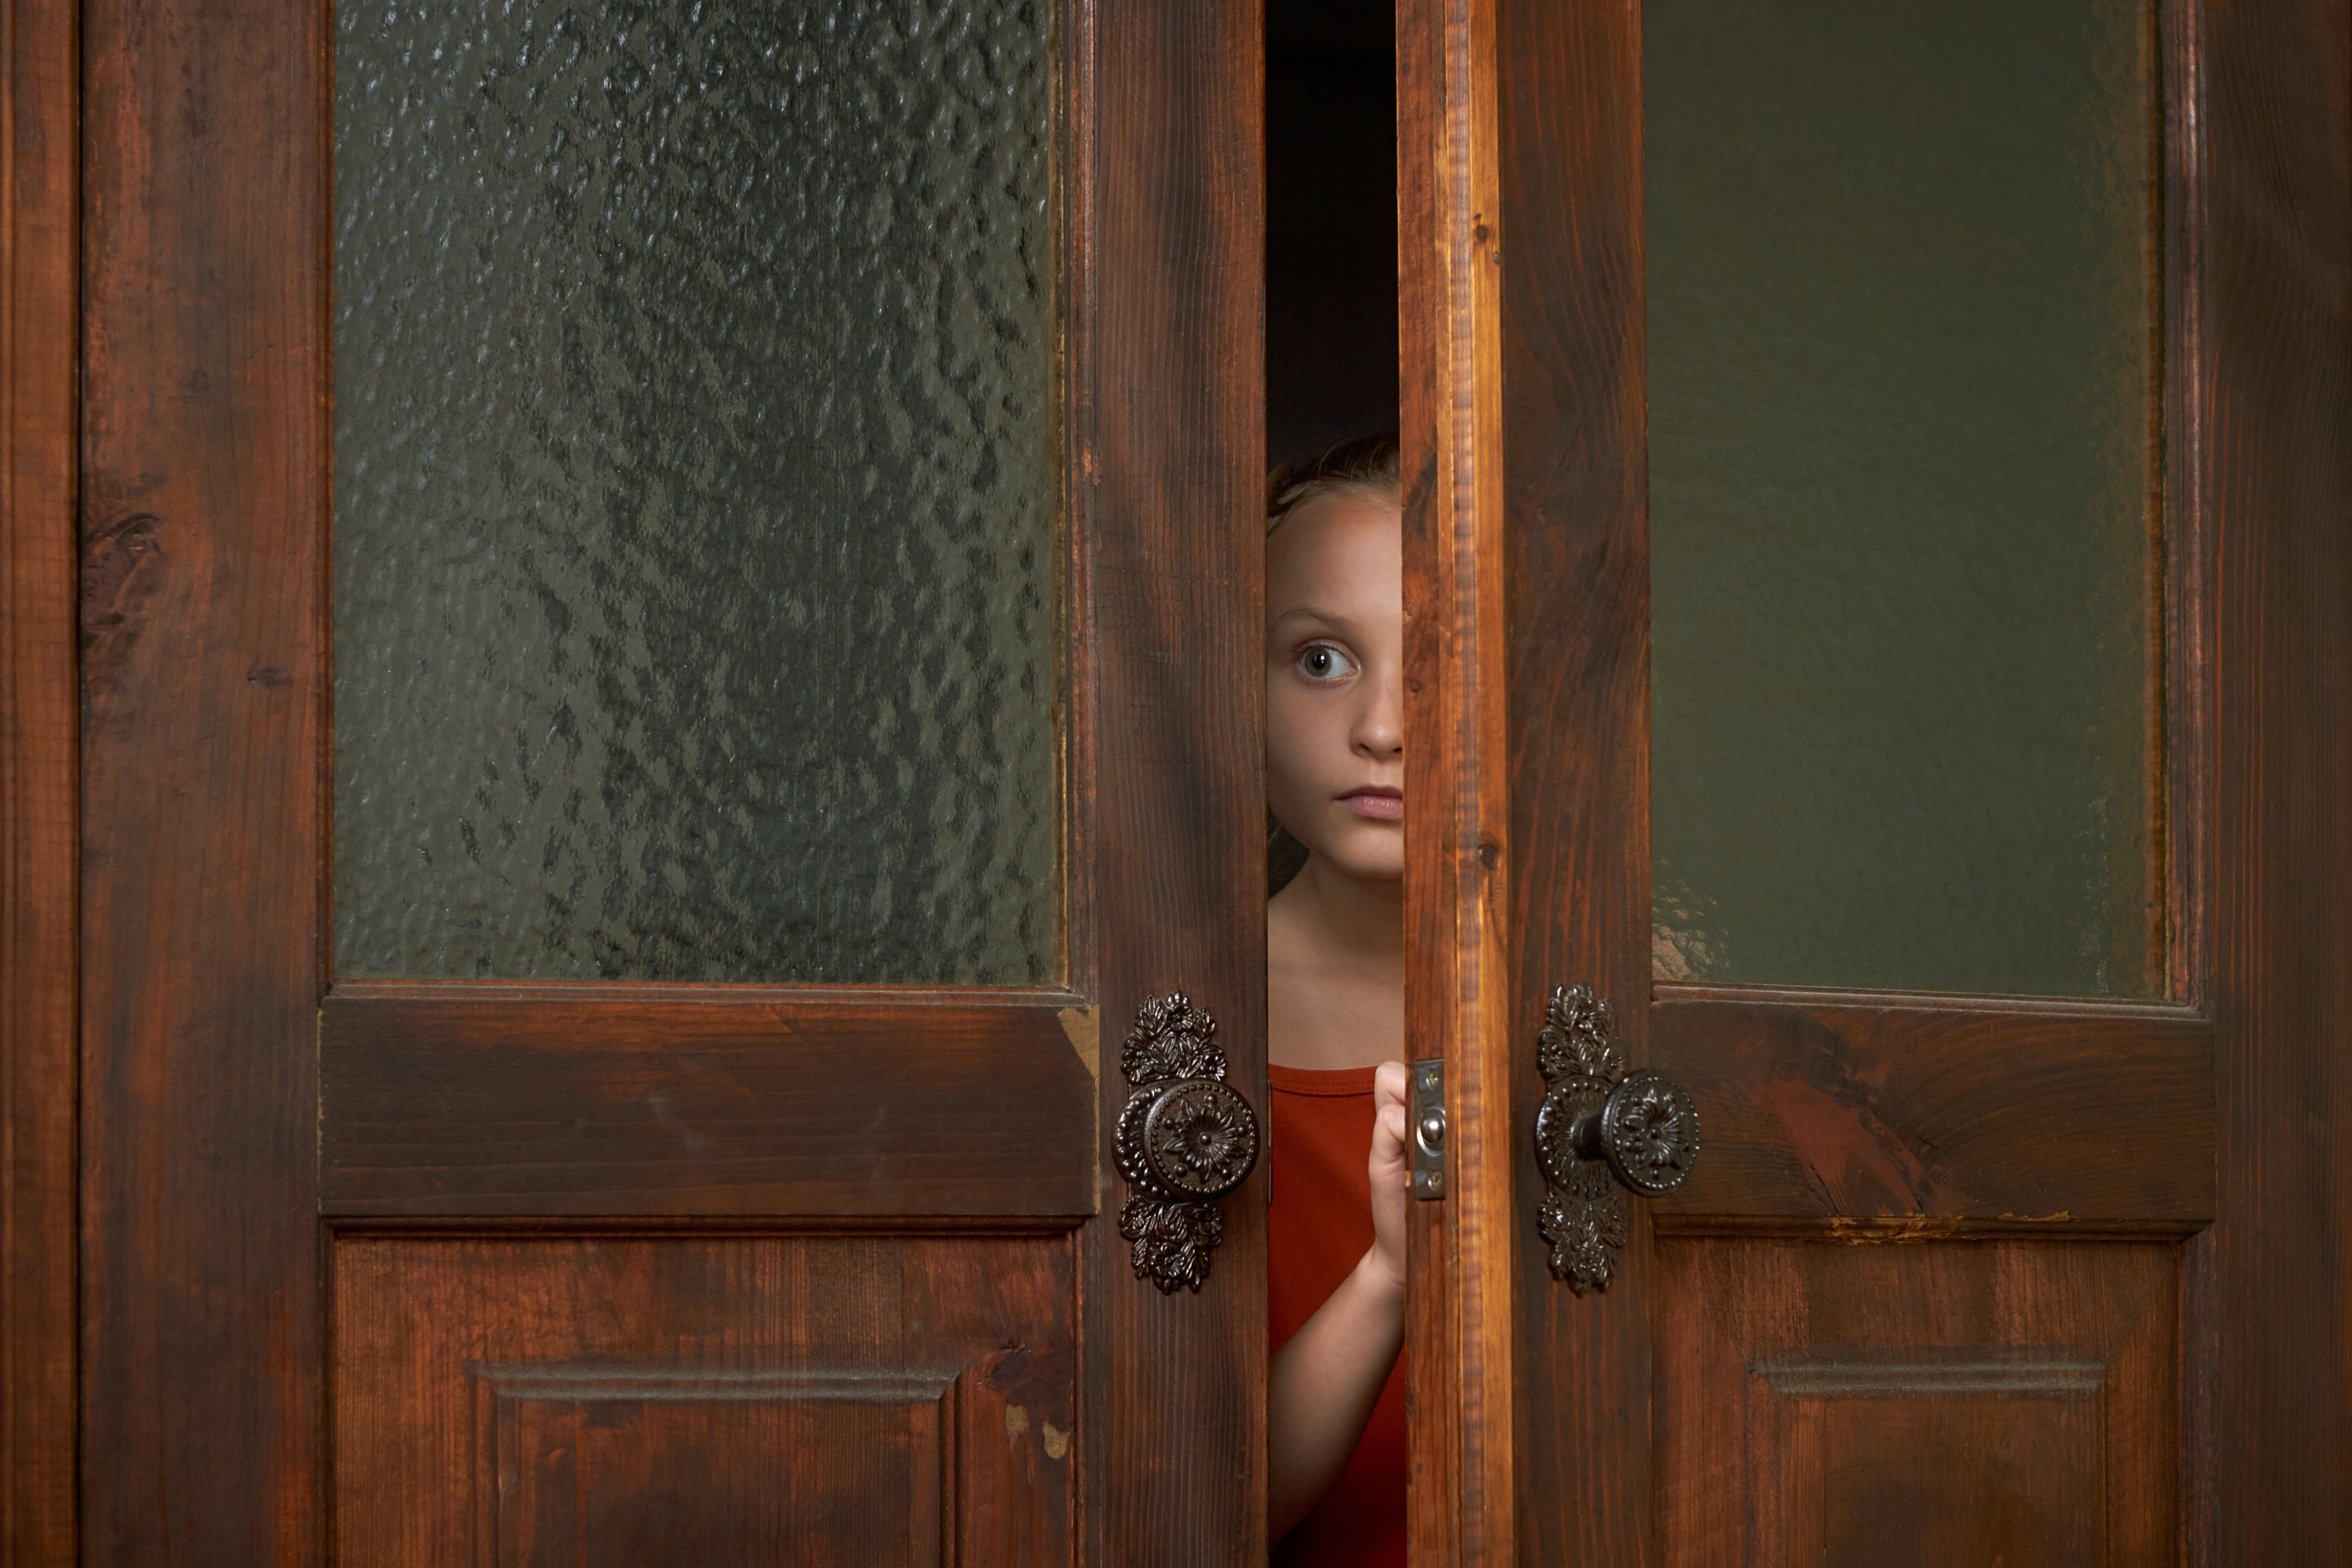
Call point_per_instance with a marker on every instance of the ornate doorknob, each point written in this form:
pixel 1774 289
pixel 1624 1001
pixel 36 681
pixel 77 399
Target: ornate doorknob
pixel 1597 1122
pixel 1186 1138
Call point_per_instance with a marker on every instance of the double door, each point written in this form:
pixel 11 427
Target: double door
pixel 639 634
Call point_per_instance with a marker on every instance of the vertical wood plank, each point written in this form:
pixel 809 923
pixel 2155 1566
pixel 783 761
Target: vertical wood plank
pixel 203 446
pixel 1172 450
pixel 2181 766
pixel 1451 237
pixel 2275 275
pixel 37 786
pixel 1574 377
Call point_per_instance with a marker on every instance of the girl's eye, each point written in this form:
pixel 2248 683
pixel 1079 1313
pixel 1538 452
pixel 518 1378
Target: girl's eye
pixel 1321 661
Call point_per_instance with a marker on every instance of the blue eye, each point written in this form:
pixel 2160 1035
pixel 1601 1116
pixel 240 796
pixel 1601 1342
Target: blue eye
pixel 1321 661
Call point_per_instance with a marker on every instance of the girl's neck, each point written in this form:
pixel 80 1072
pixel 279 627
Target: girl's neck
pixel 1335 972
pixel 1352 922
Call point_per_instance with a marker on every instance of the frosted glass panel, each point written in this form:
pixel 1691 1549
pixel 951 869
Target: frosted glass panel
pixel 694 491
pixel 1901 469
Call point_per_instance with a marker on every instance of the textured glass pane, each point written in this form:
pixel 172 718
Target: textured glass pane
pixel 1901 371
pixel 694 480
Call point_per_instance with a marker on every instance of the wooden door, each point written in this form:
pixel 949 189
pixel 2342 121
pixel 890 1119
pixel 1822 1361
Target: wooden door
pixel 704 1260
pixel 1964 1272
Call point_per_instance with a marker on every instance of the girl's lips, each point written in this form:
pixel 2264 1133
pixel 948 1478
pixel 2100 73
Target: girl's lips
pixel 1383 806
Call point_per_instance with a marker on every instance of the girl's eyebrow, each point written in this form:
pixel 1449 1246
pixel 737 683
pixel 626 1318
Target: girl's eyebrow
pixel 1309 613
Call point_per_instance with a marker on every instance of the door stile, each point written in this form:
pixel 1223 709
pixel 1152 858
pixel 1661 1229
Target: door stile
pixel 39 783
pixel 205 447
pixel 1463 1411
pixel 1170 439
pixel 2273 323
pixel 1574 382
pixel 2182 604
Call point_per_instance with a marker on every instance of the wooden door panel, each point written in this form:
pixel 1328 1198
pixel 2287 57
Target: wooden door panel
pixel 616 1465
pixel 248 1131
pixel 2013 1402
pixel 1840 1107
pixel 707 1400
pixel 2106 1219
pixel 464 1099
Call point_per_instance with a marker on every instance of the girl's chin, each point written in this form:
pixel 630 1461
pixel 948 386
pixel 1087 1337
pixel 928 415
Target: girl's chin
pixel 1372 852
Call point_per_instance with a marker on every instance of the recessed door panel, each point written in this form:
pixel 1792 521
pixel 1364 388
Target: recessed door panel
pixel 885 1400
pixel 1850 1404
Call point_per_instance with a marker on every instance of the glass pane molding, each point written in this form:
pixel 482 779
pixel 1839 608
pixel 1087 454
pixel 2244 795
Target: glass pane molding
pixel 1903 374
pixel 696 493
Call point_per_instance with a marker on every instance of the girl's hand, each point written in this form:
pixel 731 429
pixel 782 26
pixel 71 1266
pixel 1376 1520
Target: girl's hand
pixel 1391 1170
pixel 1325 1381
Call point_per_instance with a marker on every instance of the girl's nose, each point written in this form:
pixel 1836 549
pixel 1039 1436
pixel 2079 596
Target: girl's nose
pixel 1378 730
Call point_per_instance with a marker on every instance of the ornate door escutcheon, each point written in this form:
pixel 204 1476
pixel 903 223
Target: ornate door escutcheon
pixel 1597 1122
pixel 1186 1138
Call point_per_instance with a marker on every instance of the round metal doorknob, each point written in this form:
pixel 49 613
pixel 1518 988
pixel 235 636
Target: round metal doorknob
pixel 1598 1122
pixel 1194 1139
pixel 1644 1128
pixel 1186 1138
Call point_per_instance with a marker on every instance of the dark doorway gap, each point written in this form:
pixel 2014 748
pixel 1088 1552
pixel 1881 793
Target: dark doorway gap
pixel 1330 231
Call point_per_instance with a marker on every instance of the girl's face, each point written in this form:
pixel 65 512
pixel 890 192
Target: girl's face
pixel 1335 681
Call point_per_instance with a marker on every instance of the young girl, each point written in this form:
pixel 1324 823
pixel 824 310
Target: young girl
pixel 1335 987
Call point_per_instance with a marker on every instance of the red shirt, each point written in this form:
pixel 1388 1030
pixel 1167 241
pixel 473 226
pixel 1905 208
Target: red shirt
pixel 1320 1226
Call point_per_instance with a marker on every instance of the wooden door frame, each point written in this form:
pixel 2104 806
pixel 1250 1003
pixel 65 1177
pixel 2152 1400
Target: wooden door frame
pixel 2257 626
pixel 39 783
pixel 163 153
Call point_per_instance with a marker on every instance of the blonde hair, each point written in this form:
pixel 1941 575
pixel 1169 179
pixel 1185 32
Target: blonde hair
pixel 1365 465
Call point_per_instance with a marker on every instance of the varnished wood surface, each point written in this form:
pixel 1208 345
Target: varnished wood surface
pixel 2275 276
pixel 1925 1120
pixel 207 460
pixel 1463 1356
pixel 781 1399
pixel 476 1099
pixel 1823 1106
pixel 1958 1405
pixel 205 446
pixel 1574 380
pixel 2182 759
pixel 1171 430
pixel 38 785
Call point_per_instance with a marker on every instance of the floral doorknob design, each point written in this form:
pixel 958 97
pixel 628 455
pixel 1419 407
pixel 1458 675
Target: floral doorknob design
pixel 1186 1138
pixel 1598 1122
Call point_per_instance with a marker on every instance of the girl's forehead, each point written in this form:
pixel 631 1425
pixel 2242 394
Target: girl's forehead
pixel 1344 535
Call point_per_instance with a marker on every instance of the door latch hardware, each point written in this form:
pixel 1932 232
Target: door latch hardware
pixel 1429 1128
pixel 1186 1138
pixel 1598 1122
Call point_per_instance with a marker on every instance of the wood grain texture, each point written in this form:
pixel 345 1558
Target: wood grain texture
pixel 1574 381
pixel 1828 1107
pixel 481 1099
pixel 205 449
pixel 2181 771
pixel 785 1399
pixel 1171 443
pixel 1457 862
pixel 40 260
pixel 2014 1403
pixel 1435 1514
pixel 1933 1119
pixel 2275 275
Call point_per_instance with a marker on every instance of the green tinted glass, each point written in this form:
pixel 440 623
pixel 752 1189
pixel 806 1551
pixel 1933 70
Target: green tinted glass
pixel 694 491
pixel 1901 373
